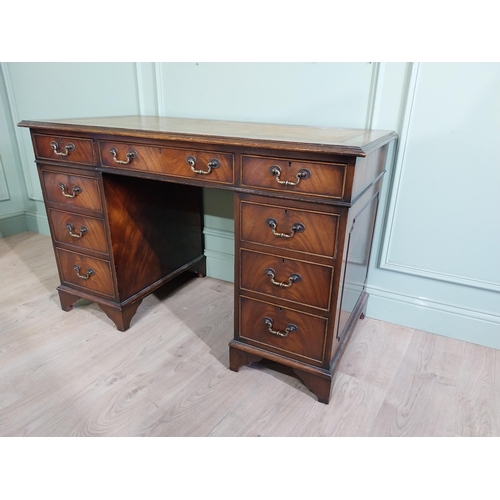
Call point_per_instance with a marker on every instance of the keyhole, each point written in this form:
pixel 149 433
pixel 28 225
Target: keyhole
pixel 286 212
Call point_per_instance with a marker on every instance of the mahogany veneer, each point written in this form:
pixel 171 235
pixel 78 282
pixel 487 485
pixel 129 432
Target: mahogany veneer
pixel 124 202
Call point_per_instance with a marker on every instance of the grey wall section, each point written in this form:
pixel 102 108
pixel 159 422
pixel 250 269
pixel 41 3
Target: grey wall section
pixel 435 262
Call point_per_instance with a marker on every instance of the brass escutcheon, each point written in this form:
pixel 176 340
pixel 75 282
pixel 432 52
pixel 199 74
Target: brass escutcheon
pixel 289 328
pixel 130 155
pixel 294 278
pixel 76 190
pixel 296 228
pixel 69 147
pixel 70 228
pixel 303 173
pixel 213 163
pixel 85 276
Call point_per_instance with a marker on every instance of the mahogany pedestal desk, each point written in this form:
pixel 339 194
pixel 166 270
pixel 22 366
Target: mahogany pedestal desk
pixel 124 202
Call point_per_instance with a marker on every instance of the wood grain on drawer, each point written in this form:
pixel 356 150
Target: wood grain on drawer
pixel 306 336
pixel 97 272
pixel 217 167
pixel 298 281
pixel 78 230
pixel 83 190
pixel 293 176
pixel 301 230
pixel 70 149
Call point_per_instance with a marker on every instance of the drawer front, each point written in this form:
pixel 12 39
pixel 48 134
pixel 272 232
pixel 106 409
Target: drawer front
pixel 290 279
pixel 68 149
pixel 96 272
pixel 318 179
pixel 281 227
pixel 73 191
pixel 305 338
pixel 207 166
pixel 78 230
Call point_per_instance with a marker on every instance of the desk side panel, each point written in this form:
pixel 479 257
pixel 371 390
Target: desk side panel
pixel 368 170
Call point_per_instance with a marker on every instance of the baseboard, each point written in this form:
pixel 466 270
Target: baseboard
pixel 23 220
pixel 219 241
pixel 219 251
pixel 37 223
pixel 442 319
pixel 220 265
pixel 12 223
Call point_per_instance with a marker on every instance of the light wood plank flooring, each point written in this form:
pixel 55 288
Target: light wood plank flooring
pixel 74 374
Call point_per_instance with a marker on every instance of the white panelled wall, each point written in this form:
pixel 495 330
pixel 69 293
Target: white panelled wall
pixel 436 255
pixel 437 260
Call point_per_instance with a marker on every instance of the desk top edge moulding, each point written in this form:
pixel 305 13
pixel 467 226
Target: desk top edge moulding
pixel 349 141
pixel 124 202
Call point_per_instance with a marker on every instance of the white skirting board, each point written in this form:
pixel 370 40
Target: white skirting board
pixel 219 251
pixel 12 223
pixel 434 317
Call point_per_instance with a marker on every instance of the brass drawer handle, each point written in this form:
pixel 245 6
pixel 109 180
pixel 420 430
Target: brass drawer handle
pixel 213 163
pixel 86 276
pixel 303 173
pixel 69 147
pixel 296 228
pixel 70 228
pixel 76 190
pixel 294 278
pixel 130 155
pixel 289 328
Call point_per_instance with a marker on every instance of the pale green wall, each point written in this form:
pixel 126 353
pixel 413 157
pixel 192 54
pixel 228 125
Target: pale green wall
pixel 317 94
pixel 13 195
pixel 435 262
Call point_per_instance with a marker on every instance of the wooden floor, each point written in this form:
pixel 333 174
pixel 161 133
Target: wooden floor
pixel 74 374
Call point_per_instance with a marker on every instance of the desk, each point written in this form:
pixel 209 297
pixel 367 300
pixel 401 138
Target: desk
pixel 124 202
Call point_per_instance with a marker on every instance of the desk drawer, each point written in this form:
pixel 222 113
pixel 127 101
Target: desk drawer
pixel 74 191
pixel 68 149
pixel 282 227
pixel 296 334
pixel 79 231
pixel 290 279
pixel 210 166
pixel 95 274
pixel 292 176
